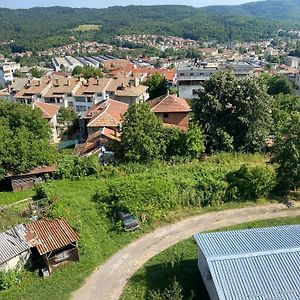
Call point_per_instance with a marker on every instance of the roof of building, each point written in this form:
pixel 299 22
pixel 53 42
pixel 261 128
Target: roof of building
pixel 35 171
pixel 11 244
pixel 169 103
pixel 49 110
pixel 261 263
pixel 107 113
pixel 50 235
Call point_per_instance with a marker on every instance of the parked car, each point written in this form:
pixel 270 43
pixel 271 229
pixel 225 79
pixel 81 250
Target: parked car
pixel 129 221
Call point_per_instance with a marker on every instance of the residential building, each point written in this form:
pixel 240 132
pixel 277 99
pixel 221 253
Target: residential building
pixel 106 114
pixel 260 263
pixel 14 250
pixel 190 75
pixel 81 94
pixel 50 114
pixel 172 110
pixel 7 70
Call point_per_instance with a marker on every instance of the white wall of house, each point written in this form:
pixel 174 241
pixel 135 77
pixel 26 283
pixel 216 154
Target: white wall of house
pixel 16 262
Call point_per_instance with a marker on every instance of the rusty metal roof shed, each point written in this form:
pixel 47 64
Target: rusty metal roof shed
pixel 50 235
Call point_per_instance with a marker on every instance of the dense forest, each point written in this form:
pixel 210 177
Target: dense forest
pixel 41 28
pixel 271 9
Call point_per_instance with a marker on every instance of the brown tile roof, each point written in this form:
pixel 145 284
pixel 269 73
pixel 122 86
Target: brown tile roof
pixel 61 86
pixel 107 113
pixel 132 91
pixel 37 170
pixel 95 140
pixel 169 103
pixel 33 87
pixel 50 235
pixel 49 110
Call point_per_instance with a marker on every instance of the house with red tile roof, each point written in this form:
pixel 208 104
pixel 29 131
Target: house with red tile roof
pixel 50 114
pixel 173 110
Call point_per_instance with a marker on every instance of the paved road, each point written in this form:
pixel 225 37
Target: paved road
pixel 108 281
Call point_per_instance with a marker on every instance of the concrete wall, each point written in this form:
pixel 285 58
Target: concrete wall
pixel 186 91
pixel 204 271
pixel 16 262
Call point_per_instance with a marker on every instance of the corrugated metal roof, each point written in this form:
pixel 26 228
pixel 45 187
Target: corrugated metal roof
pixel 11 244
pixel 51 234
pixel 262 277
pixel 254 264
pixel 249 240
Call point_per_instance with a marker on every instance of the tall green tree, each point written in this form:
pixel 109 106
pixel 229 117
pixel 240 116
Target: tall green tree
pixel 158 85
pixel 142 135
pixel 24 138
pixel 287 154
pixel 279 84
pixel 234 114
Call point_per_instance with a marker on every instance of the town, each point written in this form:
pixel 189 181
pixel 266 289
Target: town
pixel 143 159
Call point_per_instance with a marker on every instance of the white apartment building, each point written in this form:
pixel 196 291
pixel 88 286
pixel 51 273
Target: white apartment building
pixel 7 70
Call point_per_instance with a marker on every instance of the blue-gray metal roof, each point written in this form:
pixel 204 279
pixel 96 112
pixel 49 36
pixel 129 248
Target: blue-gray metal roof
pixel 262 277
pixel 12 243
pixel 249 240
pixel 254 264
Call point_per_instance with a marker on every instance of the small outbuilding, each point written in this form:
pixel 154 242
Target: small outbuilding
pixel 55 241
pixel 14 250
pixel 20 182
pixel 253 264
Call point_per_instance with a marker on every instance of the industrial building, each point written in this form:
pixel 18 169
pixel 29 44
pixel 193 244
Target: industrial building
pixel 252 264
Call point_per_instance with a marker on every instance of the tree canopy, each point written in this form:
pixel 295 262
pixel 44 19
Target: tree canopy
pixel 24 138
pixel 279 84
pixel 234 114
pixel 158 85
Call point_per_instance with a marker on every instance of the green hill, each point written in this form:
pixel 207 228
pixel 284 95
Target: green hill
pixel 41 28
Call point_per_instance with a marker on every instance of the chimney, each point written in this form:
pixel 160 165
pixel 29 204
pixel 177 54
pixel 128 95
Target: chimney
pixel 68 82
pixel 38 83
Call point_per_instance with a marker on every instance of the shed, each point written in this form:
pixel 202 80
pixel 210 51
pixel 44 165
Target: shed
pixel 54 240
pixel 253 264
pixel 14 250
pixel 25 181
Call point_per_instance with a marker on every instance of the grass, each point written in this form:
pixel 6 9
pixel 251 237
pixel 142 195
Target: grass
pixel 9 197
pixel 180 262
pixel 99 239
pixel 87 27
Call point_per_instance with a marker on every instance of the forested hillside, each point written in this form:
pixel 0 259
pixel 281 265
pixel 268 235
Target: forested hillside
pixel 272 9
pixel 41 28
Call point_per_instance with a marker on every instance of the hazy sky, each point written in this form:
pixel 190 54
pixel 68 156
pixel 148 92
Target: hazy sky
pixel 106 3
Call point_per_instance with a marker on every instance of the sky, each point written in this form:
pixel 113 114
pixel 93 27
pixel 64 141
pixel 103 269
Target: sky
pixel 107 3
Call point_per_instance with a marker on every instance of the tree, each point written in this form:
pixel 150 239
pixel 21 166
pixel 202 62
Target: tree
pixel 142 135
pixel 280 84
pixel 287 154
pixel 24 138
pixel 234 114
pixel 87 72
pixel 194 141
pixel 36 73
pixel 158 85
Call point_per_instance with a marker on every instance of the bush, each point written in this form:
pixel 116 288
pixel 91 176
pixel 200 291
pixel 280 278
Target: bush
pixel 174 292
pixel 9 279
pixel 250 183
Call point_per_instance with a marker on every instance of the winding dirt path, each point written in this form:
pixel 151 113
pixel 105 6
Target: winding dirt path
pixel 109 279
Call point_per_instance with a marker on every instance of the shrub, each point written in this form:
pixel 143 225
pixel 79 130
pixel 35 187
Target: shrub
pixel 250 183
pixel 174 292
pixel 9 278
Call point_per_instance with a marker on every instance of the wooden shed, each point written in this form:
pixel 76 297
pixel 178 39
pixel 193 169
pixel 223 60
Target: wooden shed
pixel 54 240
pixel 20 182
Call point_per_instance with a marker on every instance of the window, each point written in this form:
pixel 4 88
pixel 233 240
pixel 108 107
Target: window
pixel 165 115
pixel 195 92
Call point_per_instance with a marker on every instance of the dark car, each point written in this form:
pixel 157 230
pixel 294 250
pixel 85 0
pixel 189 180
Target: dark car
pixel 128 220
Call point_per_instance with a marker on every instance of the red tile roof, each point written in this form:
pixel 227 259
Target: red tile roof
pixel 107 113
pixel 49 110
pixel 169 103
pixel 50 235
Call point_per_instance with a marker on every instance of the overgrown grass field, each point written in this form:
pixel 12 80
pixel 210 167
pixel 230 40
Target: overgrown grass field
pixel 78 201
pixel 87 27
